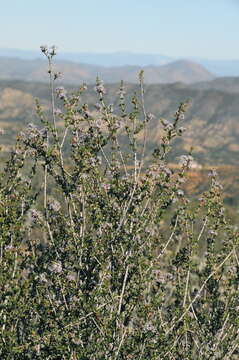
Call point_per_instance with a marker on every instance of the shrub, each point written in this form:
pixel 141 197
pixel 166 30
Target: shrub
pixel 102 254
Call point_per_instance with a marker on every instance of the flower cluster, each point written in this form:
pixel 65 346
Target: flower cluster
pixel 48 51
pixel 61 93
pixel 186 161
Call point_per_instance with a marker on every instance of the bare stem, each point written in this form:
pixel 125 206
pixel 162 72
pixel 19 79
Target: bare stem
pixel 200 291
pixel 123 289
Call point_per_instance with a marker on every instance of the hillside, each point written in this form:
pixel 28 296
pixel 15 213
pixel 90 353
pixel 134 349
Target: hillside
pixel 225 84
pixel 74 73
pixel 211 121
pixel 179 71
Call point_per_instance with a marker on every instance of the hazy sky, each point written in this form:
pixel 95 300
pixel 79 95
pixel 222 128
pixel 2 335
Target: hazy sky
pixel 205 28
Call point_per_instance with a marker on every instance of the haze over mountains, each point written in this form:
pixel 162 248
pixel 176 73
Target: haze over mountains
pixel 74 73
pixel 217 67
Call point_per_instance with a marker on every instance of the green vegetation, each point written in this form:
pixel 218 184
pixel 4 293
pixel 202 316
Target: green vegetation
pixel 102 254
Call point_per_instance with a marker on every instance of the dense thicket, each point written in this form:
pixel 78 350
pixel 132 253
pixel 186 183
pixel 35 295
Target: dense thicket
pixel 102 254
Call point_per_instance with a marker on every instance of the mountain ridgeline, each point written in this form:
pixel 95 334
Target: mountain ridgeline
pixel 218 67
pixel 35 70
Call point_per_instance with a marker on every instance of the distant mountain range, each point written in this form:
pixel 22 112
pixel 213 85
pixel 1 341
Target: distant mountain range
pixel 217 67
pixel 102 59
pixel 74 73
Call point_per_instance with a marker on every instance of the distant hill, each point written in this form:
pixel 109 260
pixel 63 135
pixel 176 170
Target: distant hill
pixel 124 58
pixel 225 84
pixel 179 71
pixel 35 70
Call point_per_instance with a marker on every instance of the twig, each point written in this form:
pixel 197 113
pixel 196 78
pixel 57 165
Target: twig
pixel 220 334
pixel 228 356
pixel 166 245
pixel 186 289
pixel 123 289
pixel 145 122
pixel 121 343
pixel 200 291
pixel 202 230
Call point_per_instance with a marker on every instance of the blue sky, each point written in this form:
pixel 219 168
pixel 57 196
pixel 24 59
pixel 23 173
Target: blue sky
pixel 202 28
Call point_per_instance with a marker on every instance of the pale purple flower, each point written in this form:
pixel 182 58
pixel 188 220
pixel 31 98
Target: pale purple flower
pixel 181 180
pixel 22 134
pixel 180 192
pixel 77 341
pixel 169 127
pixel 57 75
pixel 98 107
pixel 98 124
pixel 166 170
pixel 36 215
pixel 165 122
pixel 149 327
pixel 186 160
pixel 32 126
pixel 42 278
pixel 57 112
pixel 71 276
pixel 55 267
pixel 83 87
pixel 218 185
pixel 212 232
pixel 181 130
pixel 111 108
pixel 9 247
pixel 43 132
pixel 53 50
pixel 54 205
pixel 149 116
pixel 121 92
pixel 44 49
pixel 106 187
pixel 100 87
pixel 25 179
pixel 17 151
pixel 93 161
pixel 117 124
pixel 86 114
pixel 99 159
pixel 61 92
pixel 33 133
pixel 213 173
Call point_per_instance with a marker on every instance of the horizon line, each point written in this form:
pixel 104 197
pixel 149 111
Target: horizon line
pixel 124 52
